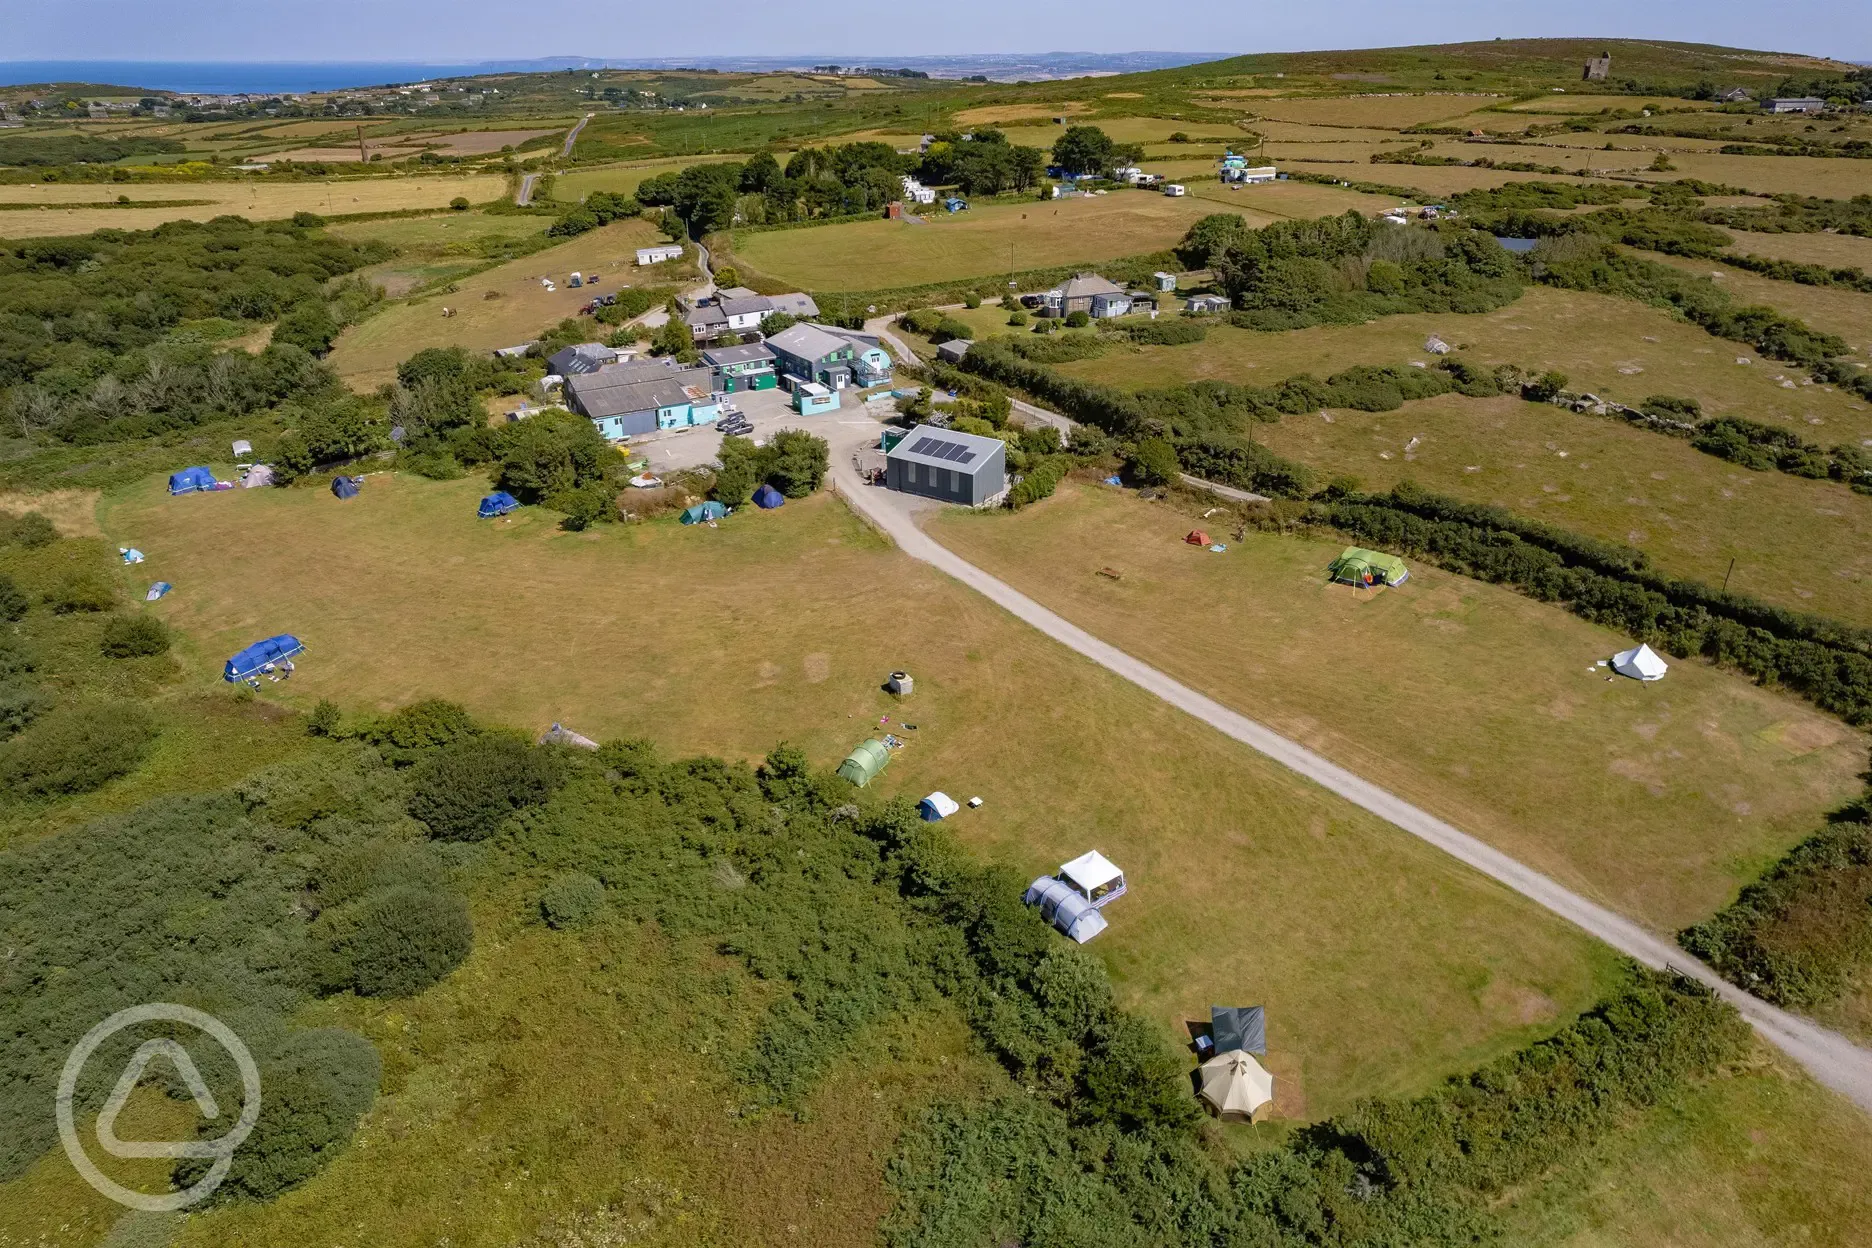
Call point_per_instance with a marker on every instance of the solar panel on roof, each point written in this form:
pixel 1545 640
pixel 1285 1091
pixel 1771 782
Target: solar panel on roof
pixel 922 446
pixel 953 450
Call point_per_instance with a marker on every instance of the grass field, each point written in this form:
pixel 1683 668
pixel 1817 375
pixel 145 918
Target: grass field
pixel 1798 543
pixel 1828 177
pixel 994 238
pixel 1470 700
pixel 406 595
pixel 1613 347
pixel 1383 112
pixel 424 234
pixel 1832 250
pixel 1835 309
pixel 625 179
pixel 1293 199
pixel 520 308
pixel 1432 180
pixel 255 200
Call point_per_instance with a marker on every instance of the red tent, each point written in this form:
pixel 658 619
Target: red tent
pixel 1197 538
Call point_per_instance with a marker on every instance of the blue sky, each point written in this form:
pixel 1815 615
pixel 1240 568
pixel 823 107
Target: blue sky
pixel 470 30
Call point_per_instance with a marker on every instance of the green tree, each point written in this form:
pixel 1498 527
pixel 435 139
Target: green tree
pixel 774 322
pixel 1154 462
pixel 463 792
pixel 739 473
pixel 308 326
pixel 1385 277
pixel 459 203
pixel 552 453
pixel 394 942
pixel 13 602
pixel 673 338
pixel 324 720
pixel 76 749
pixel 1086 150
pixel 1078 319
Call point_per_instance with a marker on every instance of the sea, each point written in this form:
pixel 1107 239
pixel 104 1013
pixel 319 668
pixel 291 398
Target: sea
pixel 290 77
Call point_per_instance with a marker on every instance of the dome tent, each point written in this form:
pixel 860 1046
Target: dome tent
pixel 191 480
pixel 499 503
pixel 937 806
pixel 345 487
pixel 1640 663
pixel 701 513
pixel 767 498
pixel 866 760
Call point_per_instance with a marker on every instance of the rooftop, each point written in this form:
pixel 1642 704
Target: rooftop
pixel 947 448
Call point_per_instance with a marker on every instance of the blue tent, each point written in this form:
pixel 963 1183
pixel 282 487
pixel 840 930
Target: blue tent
pixel 767 498
pixel 702 512
pixel 345 487
pixel 190 480
pixel 254 658
pixel 157 590
pixel 499 503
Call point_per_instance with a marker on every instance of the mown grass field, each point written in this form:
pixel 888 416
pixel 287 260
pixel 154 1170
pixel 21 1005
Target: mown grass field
pixel 1468 699
pixel 1833 250
pixel 1292 199
pixel 1833 309
pixel 255 200
pixel 1795 542
pixel 440 231
pixel 1243 878
pixel 1382 111
pixel 1432 180
pixel 990 239
pixel 1616 348
pixel 517 311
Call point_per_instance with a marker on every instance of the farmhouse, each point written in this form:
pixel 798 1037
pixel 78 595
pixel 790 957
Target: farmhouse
pixel 625 400
pixel 1796 104
pixel 749 367
pixel 659 253
pixel 586 357
pixel 1088 293
pixel 945 464
pixel 739 310
pixel 829 356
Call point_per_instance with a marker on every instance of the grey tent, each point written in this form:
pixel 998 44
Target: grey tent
pixel 1065 909
pixel 1238 1027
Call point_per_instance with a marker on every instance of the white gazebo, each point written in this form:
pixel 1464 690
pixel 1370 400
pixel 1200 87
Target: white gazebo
pixel 1094 877
pixel 1641 663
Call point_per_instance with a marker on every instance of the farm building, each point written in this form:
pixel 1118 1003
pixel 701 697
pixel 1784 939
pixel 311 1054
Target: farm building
pixel 916 192
pixel 1597 68
pixel 951 352
pixel 1165 281
pixel 659 253
pixel 623 400
pixel 836 358
pixel 735 369
pixel 739 310
pixel 586 357
pixel 1798 104
pixel 1088 293
pixel 810 398
pixel 1358 566
pixel 1250 176
pixel 945 464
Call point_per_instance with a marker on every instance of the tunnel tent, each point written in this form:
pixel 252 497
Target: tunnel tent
pixel 345 487
pixel 1640 663
pixel 499 503
pixel 937 806
pixel 191 480
pixel 767 498
pixel 1238 1027
pixel 254 659
pixel 701 513
pixel 1358 566
pixel 1066 910
pixel 867 759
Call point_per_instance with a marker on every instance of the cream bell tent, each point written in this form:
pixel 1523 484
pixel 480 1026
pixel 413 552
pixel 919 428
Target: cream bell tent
pixel 1640 664
pixel 1235 1086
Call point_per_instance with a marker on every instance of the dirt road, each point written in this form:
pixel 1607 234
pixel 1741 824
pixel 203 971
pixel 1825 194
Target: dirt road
pixel 1829 1057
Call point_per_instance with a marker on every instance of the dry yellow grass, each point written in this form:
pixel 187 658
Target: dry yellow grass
pixel 260 201
pixel 72 512
pixel 521 307
pixel 1845 251
pixel 1570 102
pixel 1244 879
pixel 1470 700
pixel 1293 199
pixel 1613 347
pixel 1824 176
pixel 1834 309
pixel 1384 112
pixel 1432 180
pixel 1003 114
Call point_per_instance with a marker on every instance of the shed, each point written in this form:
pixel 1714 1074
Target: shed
pixel 701 513
pixel 951 352
pixel 191 480
pixel 810 398
pixel 1640 663
pixel 937 806
pixel 1064 909
pixel 867 759
pixel 1358 566
pixel 1094 877
pixel 254 659
pixel 1238 1027
pixel 1165 281
pixel 767 498
pixel 946 464
pixel 499 503
pixel 345 487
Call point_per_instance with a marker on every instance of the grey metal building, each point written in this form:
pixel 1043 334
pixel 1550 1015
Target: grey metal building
pixel 942 463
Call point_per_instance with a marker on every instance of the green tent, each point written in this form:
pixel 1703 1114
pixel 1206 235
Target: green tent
pixel 1358 566
pixel 702 512
pixel 863 764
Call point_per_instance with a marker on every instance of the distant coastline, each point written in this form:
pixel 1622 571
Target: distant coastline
pixel 293 77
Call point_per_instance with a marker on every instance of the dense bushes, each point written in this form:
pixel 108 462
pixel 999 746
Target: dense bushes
pixel 465 790
pixel 792 461
pixel 571 900
pixel 1163 333
pixel 394 941
pixel 1041 479
pixel 134 636
pixel 1798 934
pixel 599 208
pixel 75 749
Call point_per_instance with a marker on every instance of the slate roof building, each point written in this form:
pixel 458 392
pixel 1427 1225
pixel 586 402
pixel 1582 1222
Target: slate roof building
pixel 586 357
pixel 942 463
pixel 625 400
pixel 748 367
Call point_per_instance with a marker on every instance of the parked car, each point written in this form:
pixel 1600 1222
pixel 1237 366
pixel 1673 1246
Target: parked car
pixel 736 428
